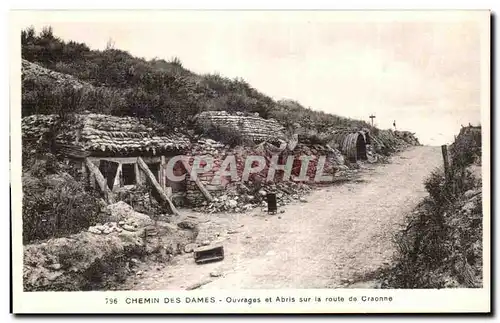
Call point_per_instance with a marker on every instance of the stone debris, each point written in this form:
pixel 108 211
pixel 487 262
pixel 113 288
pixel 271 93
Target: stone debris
pixel 234 199
pixel 55 266
pixel 130 225
pixel 230 194
pixel 190 247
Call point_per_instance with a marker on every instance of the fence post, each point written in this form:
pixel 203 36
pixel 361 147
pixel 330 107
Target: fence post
pixel 444 150
pixel 447 171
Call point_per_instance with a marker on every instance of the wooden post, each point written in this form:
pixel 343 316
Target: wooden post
pixel 447 171
pixel 156 185
pixel 103 185
pixel 198 183
pixel 118 176
pixel 444 150
pixel 168 191
pixel 372 117
pixel 138 177
pixel 85 175
pixel 162 172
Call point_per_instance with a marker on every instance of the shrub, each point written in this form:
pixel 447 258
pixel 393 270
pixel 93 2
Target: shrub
pixel 441 244
pixel 163 90
pixel 54 203
pixel 225 135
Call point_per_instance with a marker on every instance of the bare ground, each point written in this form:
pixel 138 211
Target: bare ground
pixel 342 232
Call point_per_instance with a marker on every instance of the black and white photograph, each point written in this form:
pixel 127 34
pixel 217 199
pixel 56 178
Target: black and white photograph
pixel 196 152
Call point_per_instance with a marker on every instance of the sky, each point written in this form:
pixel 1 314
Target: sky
pixel 424 74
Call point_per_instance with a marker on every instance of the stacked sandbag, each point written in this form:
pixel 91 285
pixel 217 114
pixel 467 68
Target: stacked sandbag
pixel 248 126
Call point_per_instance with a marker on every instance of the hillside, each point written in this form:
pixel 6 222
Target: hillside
pixel 441 245
pixel 166 91
pixel 79 103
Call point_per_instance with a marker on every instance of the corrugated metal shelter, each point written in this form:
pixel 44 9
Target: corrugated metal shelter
pixel 352 144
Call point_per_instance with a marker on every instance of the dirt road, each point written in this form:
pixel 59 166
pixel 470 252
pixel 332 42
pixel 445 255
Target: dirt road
pixel 342 231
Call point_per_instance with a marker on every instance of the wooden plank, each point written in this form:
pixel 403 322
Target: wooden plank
pixel 85 175
pixel 149 175
pixel 151 159
pixel 118 176
pixel 162 172
pixel 126 160
pixel 444 150
pixel 138 177
pixel 447 171
pixel 168 191
pixel 96 174
pixel 123 160
pixel 201 187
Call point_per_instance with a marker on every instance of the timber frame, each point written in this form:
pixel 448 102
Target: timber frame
pixel 143 175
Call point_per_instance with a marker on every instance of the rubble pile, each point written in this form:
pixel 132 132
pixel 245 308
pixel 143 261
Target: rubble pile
pixel 373 156
pixel 239 198
pixel 110 227
pixel 333 163
pixel 140 199
pixel 386 142
pixel 122 212
pixel 408 137
pixel 102 255
pixel 220 187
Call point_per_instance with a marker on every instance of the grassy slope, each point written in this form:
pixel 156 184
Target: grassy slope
pixel 166 91
pixel 441 245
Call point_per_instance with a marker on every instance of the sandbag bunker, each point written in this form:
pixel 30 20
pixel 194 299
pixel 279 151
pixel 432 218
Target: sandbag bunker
pixel 115 154
pixel 111 152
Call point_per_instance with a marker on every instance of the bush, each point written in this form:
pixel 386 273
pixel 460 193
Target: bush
pixel 163 90
pixel 54 203
pixel 225 135
pixel 441 244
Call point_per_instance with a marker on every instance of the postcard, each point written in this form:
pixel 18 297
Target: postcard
pixel 191 161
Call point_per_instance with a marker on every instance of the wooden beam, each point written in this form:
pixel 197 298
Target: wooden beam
pixel 444 150
pixel 138 177
pixel 126 160
pixel 117 180
pixel 103 185
pixel 85 175
pixel 162 172
pixel 144 167
pixel 201 187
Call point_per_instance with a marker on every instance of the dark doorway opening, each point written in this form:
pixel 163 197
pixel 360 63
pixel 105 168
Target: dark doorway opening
pixel 108 170
pixel 155 169
pixel 128 174
pixel 361 148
